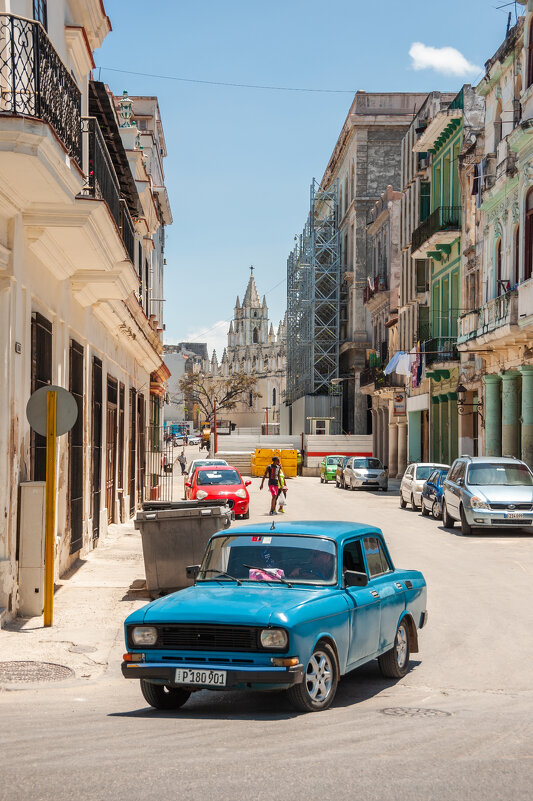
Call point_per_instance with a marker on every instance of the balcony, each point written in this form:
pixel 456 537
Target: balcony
pixel 34 82
pixel 375 378
pixel 103 184
pixel 495 315
pixel 437 232
pixel 440 349
pixel 376 284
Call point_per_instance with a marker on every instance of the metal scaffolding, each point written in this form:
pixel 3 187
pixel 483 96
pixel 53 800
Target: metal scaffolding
pixel 313 299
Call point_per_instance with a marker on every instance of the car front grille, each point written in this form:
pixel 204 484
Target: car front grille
pixel 511 507
pixel 206 637
pixel 512 522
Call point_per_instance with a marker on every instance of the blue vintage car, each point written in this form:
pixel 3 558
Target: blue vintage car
pixel 292 607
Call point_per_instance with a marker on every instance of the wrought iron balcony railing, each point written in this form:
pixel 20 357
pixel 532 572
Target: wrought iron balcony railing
pixel 445 218
pixel 440 349
pixel 34 82
pixel 103 184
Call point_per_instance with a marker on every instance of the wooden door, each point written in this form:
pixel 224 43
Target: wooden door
pixel 111 459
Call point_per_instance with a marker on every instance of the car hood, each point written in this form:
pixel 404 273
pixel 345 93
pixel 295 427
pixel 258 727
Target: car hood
pixel 247 605
pixel 220 489
pixel 502 494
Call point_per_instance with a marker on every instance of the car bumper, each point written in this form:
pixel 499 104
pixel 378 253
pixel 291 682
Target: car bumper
pixel 480 518
pixel 235 676
pixel 370 483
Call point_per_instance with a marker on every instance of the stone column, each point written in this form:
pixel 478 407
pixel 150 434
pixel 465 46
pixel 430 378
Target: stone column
pixel 510 414
pixel 402 448
pixel 374 414
pixel 527 414
pixel 393 449
pixel 493 416
pixel 453 423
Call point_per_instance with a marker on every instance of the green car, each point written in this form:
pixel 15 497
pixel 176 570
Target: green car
pixel 328 467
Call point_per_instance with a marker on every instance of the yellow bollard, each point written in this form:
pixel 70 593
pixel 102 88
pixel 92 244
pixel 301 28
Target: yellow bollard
pixel 49 543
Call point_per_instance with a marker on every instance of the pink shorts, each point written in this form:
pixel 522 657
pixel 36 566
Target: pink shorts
pixel 274 490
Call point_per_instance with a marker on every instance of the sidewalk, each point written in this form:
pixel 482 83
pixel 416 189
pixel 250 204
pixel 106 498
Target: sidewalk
pixel 91 602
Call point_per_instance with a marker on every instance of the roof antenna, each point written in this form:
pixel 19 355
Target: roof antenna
pixel 272 527
pixel 508 25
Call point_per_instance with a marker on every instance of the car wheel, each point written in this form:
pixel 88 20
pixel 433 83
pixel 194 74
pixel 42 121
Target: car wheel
pixel 424 511
pixel 435 510
pixel 403 503
pixel 414 507
pixel 385 489
pixel 246 515
pixel 395 663
pixel 446 519
pixel 161 697
pixel 466 528
pixel 317 690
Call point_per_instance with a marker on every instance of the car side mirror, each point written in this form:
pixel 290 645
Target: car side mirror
pixel 188 484
pixel 460 481
pixel 192 571
pixel 247 483
pixel 386 467
pixel 353 578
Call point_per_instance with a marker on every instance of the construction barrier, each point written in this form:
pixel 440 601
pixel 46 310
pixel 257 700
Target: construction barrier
pixel 263 457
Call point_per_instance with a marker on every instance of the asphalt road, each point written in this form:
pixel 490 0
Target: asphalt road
pixel 458 726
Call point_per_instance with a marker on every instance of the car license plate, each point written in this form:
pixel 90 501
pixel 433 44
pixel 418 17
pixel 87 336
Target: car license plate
pixel 513 515
pixel 209 678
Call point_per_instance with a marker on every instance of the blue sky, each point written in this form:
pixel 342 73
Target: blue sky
pixel 240 160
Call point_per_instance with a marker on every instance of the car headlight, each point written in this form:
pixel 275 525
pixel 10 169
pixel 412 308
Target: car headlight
pixel 241 493
pixel 274 638
pixel 478 503
pixel 381 474
pixel 358 473
pixel 144 635
pixel 201 494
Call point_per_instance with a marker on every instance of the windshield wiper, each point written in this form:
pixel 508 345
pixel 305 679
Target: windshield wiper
pixel 222 573
pixel 267 570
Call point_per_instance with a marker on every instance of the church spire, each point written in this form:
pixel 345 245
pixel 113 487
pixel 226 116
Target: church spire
pixel 251 297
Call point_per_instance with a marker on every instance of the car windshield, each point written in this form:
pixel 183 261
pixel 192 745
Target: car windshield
pixel 331 460
pixel 507 475
pixel 367 464
pixel 215 476
pixel 270 558
pixel 423 472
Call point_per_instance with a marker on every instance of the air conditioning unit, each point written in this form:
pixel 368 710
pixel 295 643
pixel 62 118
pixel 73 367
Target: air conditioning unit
pixel 31 548
pixel 422 164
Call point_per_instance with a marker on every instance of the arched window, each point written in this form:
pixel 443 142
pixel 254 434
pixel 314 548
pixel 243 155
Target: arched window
pixel 516 259
pixel 530 57
pixel 498 125
pixel 274 396
pixel 255 337
pixel 500 288
pixel 528 243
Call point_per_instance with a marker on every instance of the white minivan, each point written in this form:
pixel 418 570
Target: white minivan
pixel 413 482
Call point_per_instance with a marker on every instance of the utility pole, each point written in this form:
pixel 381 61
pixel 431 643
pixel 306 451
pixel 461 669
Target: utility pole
pixel 215 441
pixel 266 408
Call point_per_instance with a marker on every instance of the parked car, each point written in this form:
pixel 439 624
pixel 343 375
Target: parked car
pixel 328 467
pixel 413 481
pixel 292 610
pixel 431 498
pixel 194 439
pixel 221 482
pixel 365 472
pixel 339 474
pixel 484 492
pixel 189 475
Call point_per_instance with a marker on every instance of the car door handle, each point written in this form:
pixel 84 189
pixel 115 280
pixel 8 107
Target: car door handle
pixel 375 593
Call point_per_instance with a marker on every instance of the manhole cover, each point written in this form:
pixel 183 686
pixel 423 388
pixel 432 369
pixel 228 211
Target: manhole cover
pixel 29 672
pixel 415 712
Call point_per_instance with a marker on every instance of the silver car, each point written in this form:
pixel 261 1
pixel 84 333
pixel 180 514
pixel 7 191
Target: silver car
pixel 413 482
pixel 366 472
pixel 488 491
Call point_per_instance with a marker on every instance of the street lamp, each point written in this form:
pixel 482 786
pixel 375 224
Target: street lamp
pixel 462 404
pixel 266 408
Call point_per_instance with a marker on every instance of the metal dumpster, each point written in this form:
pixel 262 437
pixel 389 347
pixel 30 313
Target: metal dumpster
pixel 174 535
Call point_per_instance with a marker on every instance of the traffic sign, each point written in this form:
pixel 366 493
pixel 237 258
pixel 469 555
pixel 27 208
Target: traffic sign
pixel 66 414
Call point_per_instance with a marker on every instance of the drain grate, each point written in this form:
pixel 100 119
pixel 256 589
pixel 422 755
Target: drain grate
pixel 415 712
pixel 30 672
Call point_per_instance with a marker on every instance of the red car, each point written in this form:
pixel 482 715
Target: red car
pixel 220 482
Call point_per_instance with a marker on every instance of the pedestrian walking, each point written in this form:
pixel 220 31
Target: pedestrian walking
pixel 183 463
pixel 282 492
pixel 272 473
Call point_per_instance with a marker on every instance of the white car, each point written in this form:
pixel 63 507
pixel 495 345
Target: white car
pixel 194 439
pixel 413 482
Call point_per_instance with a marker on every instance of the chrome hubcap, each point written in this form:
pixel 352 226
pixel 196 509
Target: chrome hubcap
pixel 435 510
pixel 401 646
pixel 319 677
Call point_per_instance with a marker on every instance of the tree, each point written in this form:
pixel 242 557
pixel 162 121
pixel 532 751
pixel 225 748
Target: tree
pixel 203 390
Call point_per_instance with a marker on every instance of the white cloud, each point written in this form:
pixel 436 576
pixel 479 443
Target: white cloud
pixel 216 337
pixel 447 60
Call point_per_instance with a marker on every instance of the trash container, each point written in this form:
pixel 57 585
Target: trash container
pixel 174 535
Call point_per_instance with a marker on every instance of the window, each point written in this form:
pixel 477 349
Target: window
pixel 352 557
pixel 274 396
pixel 516 260
pixel 375 557
pixel 250 399
pixel 498 125
pixel 40 13
pixel 41 375
pixel 425 200
pixel 500 284
pixel 528 258
pixel 255 337
pixel 75 449
pixel 421 275
pixel 459 471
